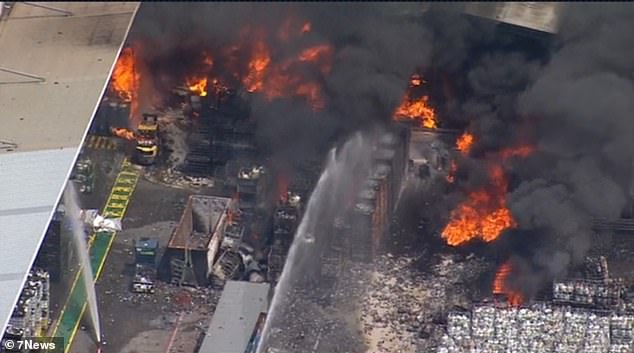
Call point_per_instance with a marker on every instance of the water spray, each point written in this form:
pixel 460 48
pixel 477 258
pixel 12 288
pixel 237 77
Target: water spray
pixel 73 212
pixel 323 205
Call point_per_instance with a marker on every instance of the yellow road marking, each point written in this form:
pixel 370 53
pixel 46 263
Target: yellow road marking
pixel 100 142
pixel 132 177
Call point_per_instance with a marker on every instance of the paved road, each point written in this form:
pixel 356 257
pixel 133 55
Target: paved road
pixel 100 244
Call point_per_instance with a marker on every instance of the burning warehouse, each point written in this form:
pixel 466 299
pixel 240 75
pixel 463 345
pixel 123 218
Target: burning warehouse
pixel 477 156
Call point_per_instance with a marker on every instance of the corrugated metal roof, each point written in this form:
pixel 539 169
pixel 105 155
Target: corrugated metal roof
pixel 30 184
pixel 236 315
pixel 55 61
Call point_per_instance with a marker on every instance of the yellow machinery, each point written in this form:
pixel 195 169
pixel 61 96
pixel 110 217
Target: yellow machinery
pixel 147 140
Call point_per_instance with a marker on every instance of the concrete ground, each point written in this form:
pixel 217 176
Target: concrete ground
pixel 173 318
pixel 106 168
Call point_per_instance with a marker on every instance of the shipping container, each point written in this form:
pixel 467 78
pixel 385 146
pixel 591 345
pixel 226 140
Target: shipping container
pixel 194 244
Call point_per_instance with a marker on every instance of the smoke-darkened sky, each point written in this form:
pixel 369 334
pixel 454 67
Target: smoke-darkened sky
pixel 572 97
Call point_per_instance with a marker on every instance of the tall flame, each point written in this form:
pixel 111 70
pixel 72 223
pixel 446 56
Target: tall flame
pixel 260 73
pixel 254 80
pixel 276 81
pixel 416 108
pixel 483 215
pixel 125 79
pixel 500 286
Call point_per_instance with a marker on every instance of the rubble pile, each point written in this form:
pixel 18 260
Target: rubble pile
pixel 174 129
pixel 175 141
pixel 177 179
pixel 305 324
pixel 537 328
pixel 401 302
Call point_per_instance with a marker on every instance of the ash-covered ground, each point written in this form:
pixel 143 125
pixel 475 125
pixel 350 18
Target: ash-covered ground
pixel 392 304
pixel 395 303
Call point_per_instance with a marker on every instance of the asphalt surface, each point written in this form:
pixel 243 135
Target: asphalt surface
pixel 99 246
pixel 106 169
pixel 172 319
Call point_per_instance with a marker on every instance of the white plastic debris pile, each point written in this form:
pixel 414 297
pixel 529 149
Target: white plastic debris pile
pixel 100 223
pixel 540 327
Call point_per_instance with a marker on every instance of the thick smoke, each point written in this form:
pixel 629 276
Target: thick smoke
pixel 576 108
pixel 374 55
pixel 573 100
pixel 583 99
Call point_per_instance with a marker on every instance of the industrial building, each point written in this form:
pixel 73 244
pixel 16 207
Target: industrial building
pixel 238 319
pixel 235 242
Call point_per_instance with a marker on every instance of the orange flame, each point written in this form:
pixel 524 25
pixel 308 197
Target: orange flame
pixel 416 80
pixel 306 27
pixel 311 92
pixel 320 55
pixel 522 151
pixel 483 215
pixel 276 81
pixel 500 286
pixel 208 61
pixel 417 109
pixel 465 142
pixel 123 133
pixel 254 80
pixel 197 86
pixel 316 53
pixel 125 80
pixel 453 168
pixel 261 74
pixel 124 77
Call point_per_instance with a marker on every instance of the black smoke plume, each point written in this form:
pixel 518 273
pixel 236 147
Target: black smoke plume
pixel 574 103
pixel 373 57
pixel 583 101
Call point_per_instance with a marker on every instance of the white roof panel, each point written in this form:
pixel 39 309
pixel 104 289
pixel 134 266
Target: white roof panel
pixel 55 61
pixel 30 184
pixel 236 314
